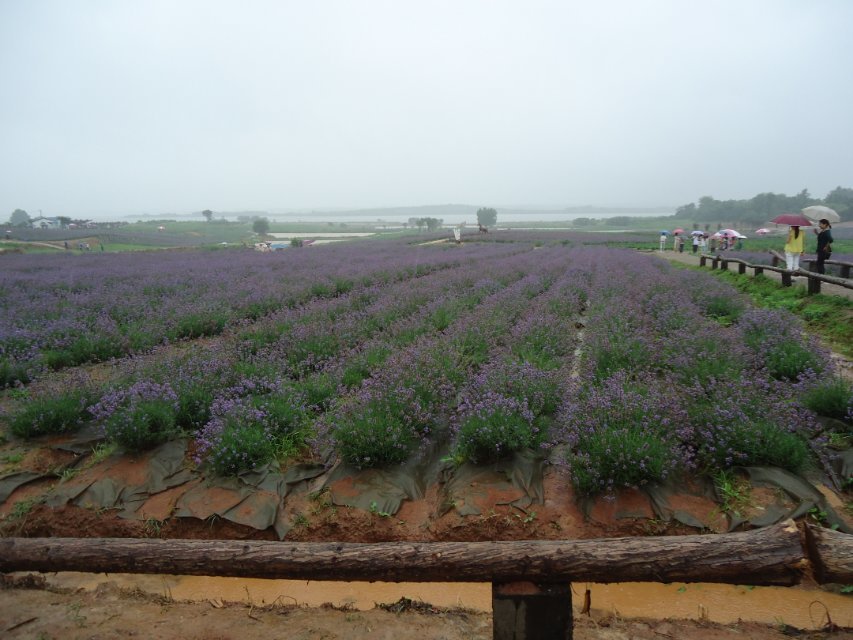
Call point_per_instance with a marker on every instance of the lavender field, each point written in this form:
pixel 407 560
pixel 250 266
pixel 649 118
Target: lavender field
pixel 608 362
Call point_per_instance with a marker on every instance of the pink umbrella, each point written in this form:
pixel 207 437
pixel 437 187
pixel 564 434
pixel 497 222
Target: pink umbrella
pixel 762 231
pixel 792 219
pixel 677 231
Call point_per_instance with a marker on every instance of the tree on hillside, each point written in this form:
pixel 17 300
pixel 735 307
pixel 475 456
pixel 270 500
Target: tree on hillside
pixel 487 217
pixel 841 199
pixel 261 226
pixel 19 218
pixel 208 214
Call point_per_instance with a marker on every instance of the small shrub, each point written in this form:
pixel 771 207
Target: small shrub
pixel 61 414
pixel 777 342
pixel 540 390
pixel 748 422
pixel 198 325
pixel 725 309
pixel 13 373
pixel 621 433
pixel 250 431
pixel 142 425
pixel 240 447
pixel 610 458
pixel 493 427
pixel 194 400
pixel 789 360
pixel 381 428
pixel 621 353
pixel 831 397
pixel 319 390
pixel 139 417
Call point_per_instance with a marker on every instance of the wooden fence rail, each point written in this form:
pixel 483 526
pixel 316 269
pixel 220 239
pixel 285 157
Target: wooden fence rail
pixel 531 597
pixel 814 279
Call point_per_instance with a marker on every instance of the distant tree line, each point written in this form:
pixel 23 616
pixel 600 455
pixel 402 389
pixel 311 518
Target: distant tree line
pixel 765 206
pixel 432 224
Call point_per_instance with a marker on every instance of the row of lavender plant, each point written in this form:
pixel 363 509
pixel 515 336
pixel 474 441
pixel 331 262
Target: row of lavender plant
pixel 62 310
pixel 410 401
pixel 228 389
pixel 315 380
pixel 679 376
pixel 509 405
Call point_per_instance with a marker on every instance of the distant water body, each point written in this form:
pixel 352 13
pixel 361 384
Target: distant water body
pixel 458 218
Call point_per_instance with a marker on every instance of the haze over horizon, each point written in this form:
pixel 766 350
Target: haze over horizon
pixel 119 108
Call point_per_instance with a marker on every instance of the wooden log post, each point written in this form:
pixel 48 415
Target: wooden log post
pixel 741 268
pixel 757 271
pixel 527 610
pixel 702 260
pixel 831 554
pixel 786 278
pixel 715 263
pixel 768 556
pixel 814 286
pixel 845 271
pixel 724 265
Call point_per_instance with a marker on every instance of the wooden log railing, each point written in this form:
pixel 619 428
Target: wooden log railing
pixel 529 578
pixel 814 279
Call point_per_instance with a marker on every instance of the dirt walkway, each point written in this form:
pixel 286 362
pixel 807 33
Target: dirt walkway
pixel 110 612
pixel 693 260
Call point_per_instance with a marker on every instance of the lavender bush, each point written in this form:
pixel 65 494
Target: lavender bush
pixel 139 417
pixel 63 413
pixel 622 433
pixel 493 426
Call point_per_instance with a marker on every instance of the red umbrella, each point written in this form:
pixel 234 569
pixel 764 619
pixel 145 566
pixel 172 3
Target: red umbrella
pixel 792 219
pixel 677 231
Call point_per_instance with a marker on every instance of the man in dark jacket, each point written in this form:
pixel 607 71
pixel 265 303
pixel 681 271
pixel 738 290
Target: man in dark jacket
pixel 824 243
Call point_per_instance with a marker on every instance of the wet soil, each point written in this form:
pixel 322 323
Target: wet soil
pixel 29 610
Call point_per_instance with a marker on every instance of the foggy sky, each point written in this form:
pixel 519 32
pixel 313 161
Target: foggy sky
pixel 120 106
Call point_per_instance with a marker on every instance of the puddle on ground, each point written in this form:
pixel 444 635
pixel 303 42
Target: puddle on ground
pixel 797 606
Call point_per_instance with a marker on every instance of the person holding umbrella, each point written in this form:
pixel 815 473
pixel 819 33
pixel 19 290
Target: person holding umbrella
pixel 824 243
pixel 793 249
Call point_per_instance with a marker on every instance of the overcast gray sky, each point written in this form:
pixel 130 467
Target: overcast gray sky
pixel 125 106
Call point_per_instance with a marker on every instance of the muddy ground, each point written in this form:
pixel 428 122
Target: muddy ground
pixel 28 610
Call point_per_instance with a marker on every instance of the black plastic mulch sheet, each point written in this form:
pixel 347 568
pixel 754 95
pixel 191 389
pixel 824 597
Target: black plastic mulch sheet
pixel 383 490
pixel 11 482
pixel 799 490
pixel 258 499
pixel 468 487
pixel 164 470
pixel 659 495
pixel 253 499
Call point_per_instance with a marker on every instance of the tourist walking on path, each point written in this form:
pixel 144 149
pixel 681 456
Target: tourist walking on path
pixel 793 249
pixel 695 244
pixel 824 243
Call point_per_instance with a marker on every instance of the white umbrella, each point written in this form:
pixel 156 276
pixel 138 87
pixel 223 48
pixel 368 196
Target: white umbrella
pixel 697 233
pixel 762 231
pixel 731 233
pixel 819 212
